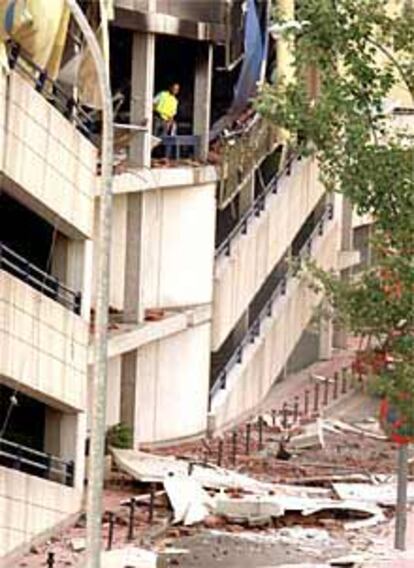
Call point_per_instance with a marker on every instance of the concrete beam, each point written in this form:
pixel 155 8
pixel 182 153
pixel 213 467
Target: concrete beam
pixel 202 95
pixel 142 93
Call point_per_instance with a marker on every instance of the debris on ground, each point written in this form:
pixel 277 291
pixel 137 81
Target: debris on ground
pixel 190 502
pixel 129 557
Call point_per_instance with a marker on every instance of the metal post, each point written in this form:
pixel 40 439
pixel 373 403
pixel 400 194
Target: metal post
pixel 234 447
pixel 95 482
pixel 285 415
pixel 260 427
pixel 131 519
pixel 151 503
pixel 306 402
pixel 401 511
pixel 273 413
pixel 50 559
pixel 336 384
pixel 248 431
pixel 220 453
pixel 110 530
pixel 296 409
pixel 344 380
pixel 316 398
pixel 326 392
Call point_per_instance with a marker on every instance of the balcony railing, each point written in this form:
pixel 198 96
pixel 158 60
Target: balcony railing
pixel 33 462
pixel 258 205
pixel 48 285
pixel 254 330
pixel 46 86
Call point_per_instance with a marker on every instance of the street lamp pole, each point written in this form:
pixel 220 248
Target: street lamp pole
pixel 97 442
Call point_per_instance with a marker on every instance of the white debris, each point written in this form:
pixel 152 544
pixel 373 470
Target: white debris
pixel 338 426
pixel 248 507
pixel 310 437
pixel 149 468
pixel 384 494
pixel 78 544
pixel 373 512
pixel 190 502
pixel 130 557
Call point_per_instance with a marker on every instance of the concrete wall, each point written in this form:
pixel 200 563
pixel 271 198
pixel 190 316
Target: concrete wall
pixel 30 506
pixel 43 345
pixel 177 246
pixel 49 164
pixel 263 360
pixel 253 256
pixel 172 386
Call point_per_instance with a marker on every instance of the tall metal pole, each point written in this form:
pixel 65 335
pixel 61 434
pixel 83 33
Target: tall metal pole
pixel 97 442
pixel 401 512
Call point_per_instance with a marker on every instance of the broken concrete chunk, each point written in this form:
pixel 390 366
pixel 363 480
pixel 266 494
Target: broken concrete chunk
pixel 190 502
pixel 78 544
pixel 248 507
pixel 311 437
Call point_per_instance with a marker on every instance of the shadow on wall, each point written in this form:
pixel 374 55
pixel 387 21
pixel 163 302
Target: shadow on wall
pixel 306 351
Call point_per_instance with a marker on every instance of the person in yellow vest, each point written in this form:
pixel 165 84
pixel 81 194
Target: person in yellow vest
pixel 165 111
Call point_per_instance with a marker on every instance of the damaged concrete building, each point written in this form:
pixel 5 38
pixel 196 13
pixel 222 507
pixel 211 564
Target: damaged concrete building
pixel 205 312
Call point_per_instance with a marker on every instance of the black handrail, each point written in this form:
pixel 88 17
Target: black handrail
pixel 43 84
pixel 48 285
pixel 39 464
pixel 267 311
pixel 255 209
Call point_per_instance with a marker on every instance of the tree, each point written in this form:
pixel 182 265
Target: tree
pixel 363 54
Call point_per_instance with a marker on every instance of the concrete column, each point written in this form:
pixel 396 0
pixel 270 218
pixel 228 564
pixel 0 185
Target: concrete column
pixel 128 391
pixel 202 95
pixel 142 94
pixel 133 310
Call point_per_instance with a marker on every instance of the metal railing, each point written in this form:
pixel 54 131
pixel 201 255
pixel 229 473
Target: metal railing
pixel 39 464
pixel 258 205
pixel 53 93
pixel 254 330
pixel 48 285
pixel 174 144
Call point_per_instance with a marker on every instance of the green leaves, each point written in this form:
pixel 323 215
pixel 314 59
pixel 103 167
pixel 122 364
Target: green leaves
pixel 362 54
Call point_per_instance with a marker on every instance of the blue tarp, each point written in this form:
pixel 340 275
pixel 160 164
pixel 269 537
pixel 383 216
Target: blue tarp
pixel 255 51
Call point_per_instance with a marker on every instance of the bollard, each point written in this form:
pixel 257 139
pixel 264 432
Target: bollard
pixel 131 519
pixel 316 397
pixel 344 380
pixel 285 415
pixel 273 413
pixel 296 409
pixel 306 402
pixel 234 447
pixel 336 384
pixel 248 431
pixel 260 428
pixel 151 503
pixel 190 467
pixel 110 530
pixel 220 453
pixel 50 559
pixel 326 392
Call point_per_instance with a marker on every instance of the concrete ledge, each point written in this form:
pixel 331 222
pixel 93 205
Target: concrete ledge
pixel 144 179
pixel 130 337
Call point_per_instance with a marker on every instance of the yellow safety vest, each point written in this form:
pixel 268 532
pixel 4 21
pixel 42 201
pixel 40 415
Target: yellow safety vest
pixel 166 105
